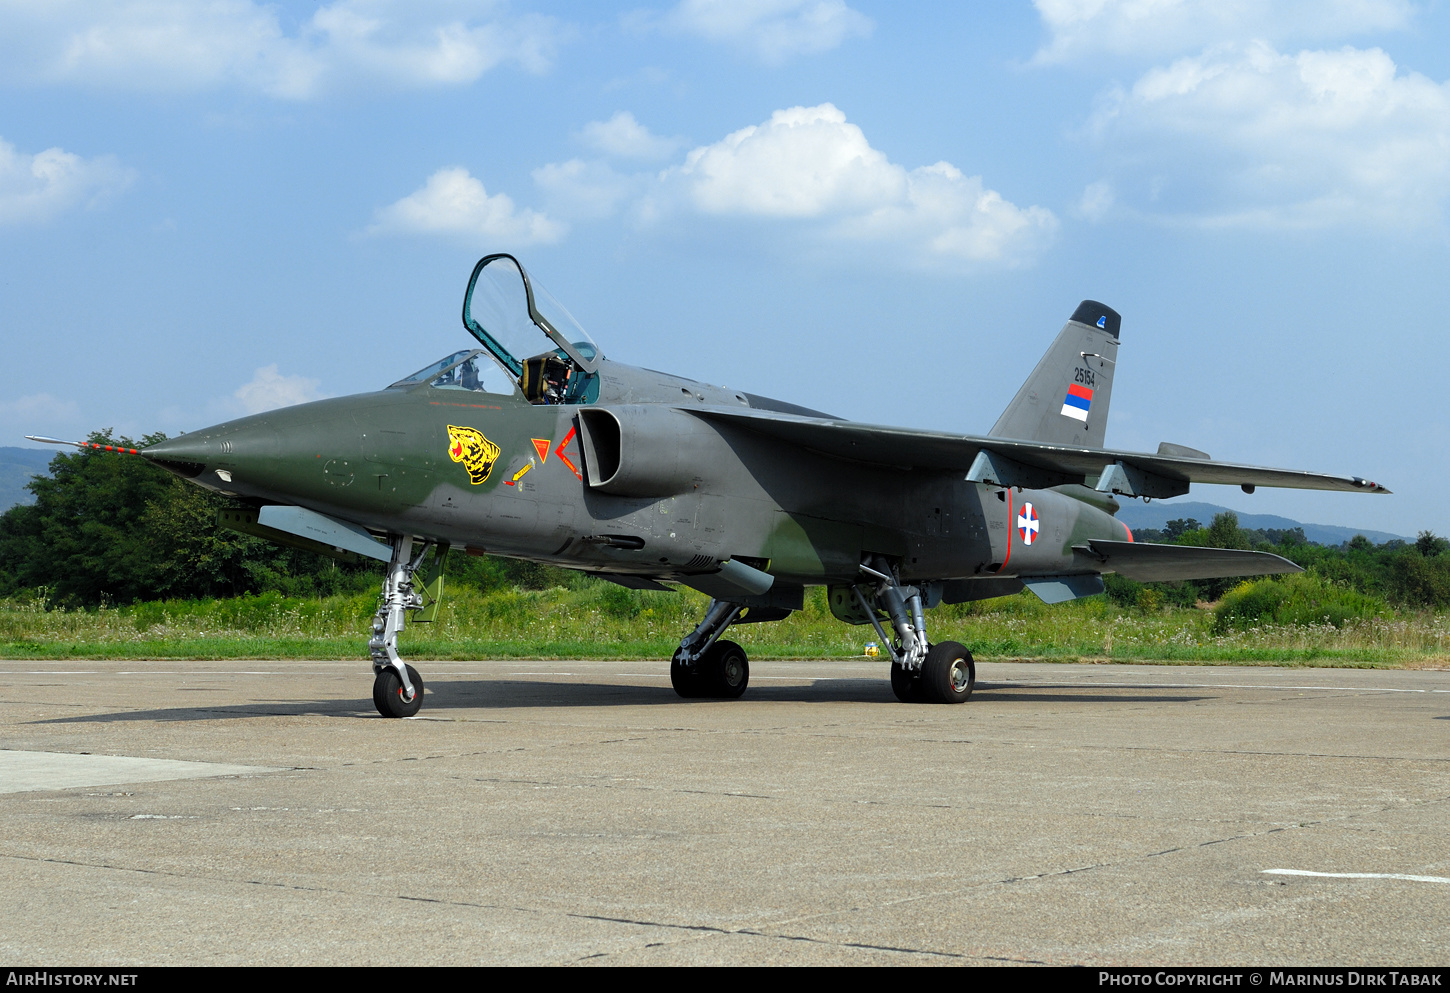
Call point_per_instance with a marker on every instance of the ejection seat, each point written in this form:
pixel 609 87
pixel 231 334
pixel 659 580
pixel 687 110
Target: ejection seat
pixel 544 378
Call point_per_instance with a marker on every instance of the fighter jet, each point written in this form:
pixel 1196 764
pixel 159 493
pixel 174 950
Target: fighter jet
pixel 531 443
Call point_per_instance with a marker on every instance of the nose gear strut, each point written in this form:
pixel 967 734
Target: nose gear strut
pixel 397 688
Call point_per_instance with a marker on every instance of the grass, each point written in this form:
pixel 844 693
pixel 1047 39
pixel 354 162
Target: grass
pixel 599 620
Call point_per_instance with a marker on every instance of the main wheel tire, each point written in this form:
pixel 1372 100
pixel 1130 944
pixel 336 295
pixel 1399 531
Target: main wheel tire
pixel 388 693
pixel 725 670
pixel 905 683
pixel 685 678
pixel 948 673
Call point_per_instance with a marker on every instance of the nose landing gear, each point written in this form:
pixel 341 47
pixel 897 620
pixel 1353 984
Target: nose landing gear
pixel 397 688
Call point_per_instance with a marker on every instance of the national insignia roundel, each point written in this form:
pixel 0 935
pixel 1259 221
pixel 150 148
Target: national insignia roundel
pixel 1027 524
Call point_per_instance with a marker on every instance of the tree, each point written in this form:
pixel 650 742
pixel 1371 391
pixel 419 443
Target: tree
pixel 1225 532
pixel 1429 544
pixel 1176 528
pixel 114 528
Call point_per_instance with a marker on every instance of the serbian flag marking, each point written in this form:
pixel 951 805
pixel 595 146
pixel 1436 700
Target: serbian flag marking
pixel 1027 524
pixel 1079 399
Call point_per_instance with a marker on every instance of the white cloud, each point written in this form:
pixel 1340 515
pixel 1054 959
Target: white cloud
pixel 269 390
pixel 625 138
pixel 803 162
pixel 810 164
pixel 773 29
pixel 584 190
pixel 1092 29
pixel 950 216
pixel 36 187
pixel 806 168
pixel 170 45
pixel 1250 135
pixel 453 203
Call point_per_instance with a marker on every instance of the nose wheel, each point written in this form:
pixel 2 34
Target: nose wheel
pixel 392 699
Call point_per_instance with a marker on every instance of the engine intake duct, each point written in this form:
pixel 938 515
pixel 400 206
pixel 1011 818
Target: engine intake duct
pixel 646 450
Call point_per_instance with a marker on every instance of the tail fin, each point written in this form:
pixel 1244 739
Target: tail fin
pixel 1065 400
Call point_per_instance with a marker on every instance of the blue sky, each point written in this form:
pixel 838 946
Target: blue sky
pixel 881 210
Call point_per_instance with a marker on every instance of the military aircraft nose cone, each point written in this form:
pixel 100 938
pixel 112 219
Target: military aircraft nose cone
pixel 187 457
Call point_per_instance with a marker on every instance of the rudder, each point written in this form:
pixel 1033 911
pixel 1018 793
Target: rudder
pixel 1065 400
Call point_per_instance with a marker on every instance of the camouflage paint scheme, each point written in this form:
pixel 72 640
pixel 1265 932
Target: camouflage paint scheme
pixel 382 460
pixel 642 476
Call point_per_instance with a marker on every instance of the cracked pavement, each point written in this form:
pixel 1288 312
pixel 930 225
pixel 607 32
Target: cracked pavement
pixel 579 812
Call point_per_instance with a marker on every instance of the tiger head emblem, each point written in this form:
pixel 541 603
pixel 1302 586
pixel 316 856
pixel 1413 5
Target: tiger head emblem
pixel 476 452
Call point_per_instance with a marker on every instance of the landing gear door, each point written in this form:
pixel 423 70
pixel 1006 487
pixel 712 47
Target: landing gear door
pixel 515 318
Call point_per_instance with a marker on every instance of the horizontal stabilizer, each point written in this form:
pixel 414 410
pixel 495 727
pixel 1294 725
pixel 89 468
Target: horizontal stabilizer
pixel 1148 563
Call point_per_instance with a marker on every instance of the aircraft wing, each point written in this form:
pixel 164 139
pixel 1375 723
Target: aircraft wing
pixel 1011 462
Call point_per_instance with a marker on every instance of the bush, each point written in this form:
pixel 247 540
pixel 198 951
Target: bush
pixel 1417 581
pixel 1121 591
pixel 1302 600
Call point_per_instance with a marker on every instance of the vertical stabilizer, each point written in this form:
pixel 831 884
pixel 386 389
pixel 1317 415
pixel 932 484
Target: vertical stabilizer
pixel 1065 400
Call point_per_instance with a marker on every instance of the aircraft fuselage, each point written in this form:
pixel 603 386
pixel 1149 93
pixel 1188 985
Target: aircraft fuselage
pixel 391 461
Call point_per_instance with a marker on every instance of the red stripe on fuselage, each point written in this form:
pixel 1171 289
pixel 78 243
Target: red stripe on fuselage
pixel 1011 526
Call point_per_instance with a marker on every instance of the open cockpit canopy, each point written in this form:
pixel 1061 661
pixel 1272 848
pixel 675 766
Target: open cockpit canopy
pixel 515 318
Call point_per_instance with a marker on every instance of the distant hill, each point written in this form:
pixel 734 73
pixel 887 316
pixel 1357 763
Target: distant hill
pixel 17 465
pixel 1157 515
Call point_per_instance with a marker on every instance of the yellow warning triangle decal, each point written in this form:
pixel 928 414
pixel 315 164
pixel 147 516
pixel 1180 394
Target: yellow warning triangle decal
pixel 541 445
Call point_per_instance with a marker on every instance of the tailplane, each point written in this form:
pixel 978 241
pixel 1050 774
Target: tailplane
pixel 1065 400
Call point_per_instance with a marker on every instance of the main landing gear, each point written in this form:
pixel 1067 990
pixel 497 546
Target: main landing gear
pixel 397 688
pixel 705 666
pixel 920 672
